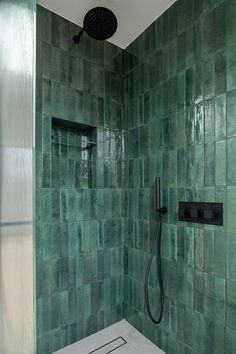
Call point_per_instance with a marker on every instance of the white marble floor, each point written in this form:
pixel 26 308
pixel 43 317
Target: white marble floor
pixel 118 338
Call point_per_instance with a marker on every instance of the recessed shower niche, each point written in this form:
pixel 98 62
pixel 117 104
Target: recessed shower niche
pixel 73 154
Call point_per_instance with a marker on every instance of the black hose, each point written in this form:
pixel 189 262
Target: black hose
pixel 157 238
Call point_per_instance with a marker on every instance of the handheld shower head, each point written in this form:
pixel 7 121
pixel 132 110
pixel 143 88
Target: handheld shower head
pixel 159 209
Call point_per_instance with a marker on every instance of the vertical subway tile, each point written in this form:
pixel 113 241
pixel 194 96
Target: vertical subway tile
pixel 231 66
pixel 220 72
pixel 230 305
pixel 230 257
pixel 220 117
pixel 230 20
pixel 199 165
pixel 198 81
pixel 231 160
pixel 231 195
pixel 220 26
pixel 209 71
pixel 209 33
pixel 231 109
pixel 209 251
pixel 199 124
pixel 209 121
pixel 220 162
pixel 209 165
pixel 220 254
pixel 189 87
pixel 230 340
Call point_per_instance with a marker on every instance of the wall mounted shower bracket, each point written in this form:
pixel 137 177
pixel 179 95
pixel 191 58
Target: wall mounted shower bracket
pixel 160 210
pixel 163 210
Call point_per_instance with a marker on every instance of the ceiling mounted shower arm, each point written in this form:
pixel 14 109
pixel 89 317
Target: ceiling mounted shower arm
pixel 77 37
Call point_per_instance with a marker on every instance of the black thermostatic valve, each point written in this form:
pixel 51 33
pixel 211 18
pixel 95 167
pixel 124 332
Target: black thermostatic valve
pixel 204 213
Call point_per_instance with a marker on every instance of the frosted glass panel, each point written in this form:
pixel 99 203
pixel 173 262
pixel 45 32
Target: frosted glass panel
pixel 17 33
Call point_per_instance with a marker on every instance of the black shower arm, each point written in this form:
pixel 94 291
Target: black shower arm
pixel 77 37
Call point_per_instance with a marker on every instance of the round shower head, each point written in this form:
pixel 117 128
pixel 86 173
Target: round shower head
pixel 99 23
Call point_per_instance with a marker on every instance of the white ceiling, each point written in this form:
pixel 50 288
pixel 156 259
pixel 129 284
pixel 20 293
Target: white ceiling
pixel 134 16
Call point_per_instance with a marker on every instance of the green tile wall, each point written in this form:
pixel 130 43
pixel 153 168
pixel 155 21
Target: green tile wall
pixel 180 123
pixel 165 106
pixel 80 198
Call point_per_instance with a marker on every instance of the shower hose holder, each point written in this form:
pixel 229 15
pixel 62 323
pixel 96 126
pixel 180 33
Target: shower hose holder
pixel 162 211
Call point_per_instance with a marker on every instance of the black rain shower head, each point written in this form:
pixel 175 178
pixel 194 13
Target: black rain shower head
pixel 99 23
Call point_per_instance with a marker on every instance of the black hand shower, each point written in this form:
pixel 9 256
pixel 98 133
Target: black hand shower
pixel 160 211
pixel 99 23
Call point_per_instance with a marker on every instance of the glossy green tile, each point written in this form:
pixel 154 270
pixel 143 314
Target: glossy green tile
pixel 46 25
pixel 198 7
pixel 46 96
pixel 64 29
pixel 165 59
pixel 181 90
pixel 199 165
pixel 55 30
pixel 209 71
pixel 198 332
pixel 231 106
pixel 231 245
pixel 181 176
pixel 230 340
pixel 209 165
pixel 173 57
pixel 220 162
pixel 211 4
pixel 47 60
pixel 220 117
pixel 198 249
pixel 46 313
pixel 230 20
pixel 46 182
pixel 209 121
pixel 46 343
pixel 199 124
pixel 220 72
pixel 209 252
pixel 209 296
pixel 199 38
pixel 181 20
pixel 231 66
pixel 220 26
pixel 189 87
pixel 231 195
pixel 230 305
pixel 64 67
pixel 189 13
pixel 181 51
pixel 190 166
pixel 209 33
pixel 220 254
pixel 220 300
pixel 231 150
pixel 214 339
